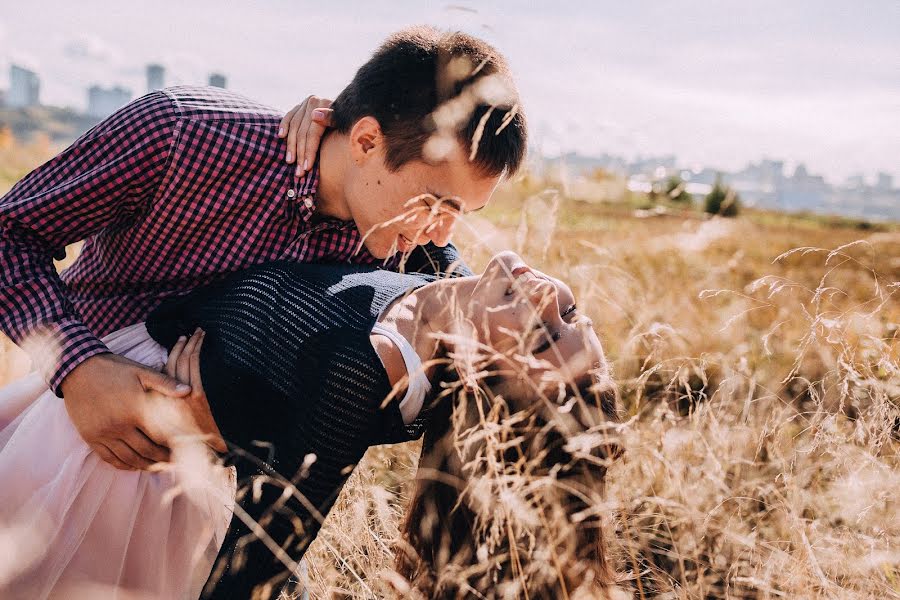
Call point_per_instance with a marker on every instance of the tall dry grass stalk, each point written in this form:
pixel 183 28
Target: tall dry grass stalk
pixel 760 384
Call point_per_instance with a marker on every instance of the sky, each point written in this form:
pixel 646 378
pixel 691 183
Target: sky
pixel 718 83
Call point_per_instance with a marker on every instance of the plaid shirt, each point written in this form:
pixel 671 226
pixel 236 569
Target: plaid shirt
pixel 171 192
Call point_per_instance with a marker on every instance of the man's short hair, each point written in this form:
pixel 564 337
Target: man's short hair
pixel 425 87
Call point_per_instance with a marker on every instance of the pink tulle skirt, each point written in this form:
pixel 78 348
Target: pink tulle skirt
pixel 72 526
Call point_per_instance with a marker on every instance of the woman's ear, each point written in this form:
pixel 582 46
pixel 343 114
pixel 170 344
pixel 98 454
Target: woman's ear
pixel 365 137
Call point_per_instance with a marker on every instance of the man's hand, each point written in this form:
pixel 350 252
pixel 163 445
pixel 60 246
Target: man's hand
pixel 109 399
pixel 304 125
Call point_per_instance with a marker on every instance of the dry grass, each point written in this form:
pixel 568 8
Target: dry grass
pixel 760 386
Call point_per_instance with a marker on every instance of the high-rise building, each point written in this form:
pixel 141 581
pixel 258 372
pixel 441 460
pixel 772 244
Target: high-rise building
pixel 24 87
pixel 103 102
pixel 156 77
pixel 857 181
pixel 884 181
pixel 217 80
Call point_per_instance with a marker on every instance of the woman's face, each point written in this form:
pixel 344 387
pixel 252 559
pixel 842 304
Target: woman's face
pixel 541 340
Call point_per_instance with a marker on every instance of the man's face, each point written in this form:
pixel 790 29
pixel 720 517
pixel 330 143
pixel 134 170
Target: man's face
pixel 417 204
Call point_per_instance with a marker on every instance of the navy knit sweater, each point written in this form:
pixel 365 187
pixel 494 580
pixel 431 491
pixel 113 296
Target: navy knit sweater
pixel 289 370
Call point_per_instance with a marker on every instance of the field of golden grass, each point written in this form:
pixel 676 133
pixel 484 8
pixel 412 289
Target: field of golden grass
pixel 758 360
pixel 759 364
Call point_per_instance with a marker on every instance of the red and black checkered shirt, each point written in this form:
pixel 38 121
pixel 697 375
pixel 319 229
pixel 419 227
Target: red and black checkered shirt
pixel 173 191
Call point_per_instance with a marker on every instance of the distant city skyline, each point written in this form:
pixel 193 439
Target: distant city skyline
pixel 24 91
pixel 718 84
pixel 769 183
pixel 765 183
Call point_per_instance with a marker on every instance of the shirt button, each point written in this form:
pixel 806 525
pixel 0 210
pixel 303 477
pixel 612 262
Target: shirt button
pixel 291 193
pixel 308 202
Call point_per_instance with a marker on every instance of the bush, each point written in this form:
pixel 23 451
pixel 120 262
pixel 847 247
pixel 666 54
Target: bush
pixel 722 201
pixel 676 190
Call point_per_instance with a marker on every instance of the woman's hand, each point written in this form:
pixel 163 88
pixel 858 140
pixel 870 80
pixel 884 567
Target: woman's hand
pixel 184 365
pixel 304 125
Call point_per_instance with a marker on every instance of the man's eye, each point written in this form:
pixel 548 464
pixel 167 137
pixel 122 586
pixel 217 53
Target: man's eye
pixel 428 201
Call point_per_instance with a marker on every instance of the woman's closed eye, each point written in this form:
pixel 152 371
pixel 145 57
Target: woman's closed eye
pixel 550 337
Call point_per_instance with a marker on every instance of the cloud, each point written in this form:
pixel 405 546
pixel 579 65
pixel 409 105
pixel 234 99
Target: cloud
pixel 185 68
pixel 91 48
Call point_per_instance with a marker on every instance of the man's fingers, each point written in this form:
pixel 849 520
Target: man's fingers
pixel 127 455
pixel 173 356
pixel 217 443
pixel 107 456
pixel 146 447
pixel 162 383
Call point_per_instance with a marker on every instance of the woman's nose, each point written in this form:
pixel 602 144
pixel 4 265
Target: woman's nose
pixel 543 295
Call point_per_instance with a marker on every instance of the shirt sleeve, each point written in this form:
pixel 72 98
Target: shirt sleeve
pixel 103 180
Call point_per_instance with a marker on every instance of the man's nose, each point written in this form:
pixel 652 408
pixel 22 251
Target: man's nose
pixel 440 229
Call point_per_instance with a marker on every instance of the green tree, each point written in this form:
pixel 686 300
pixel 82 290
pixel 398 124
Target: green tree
pixel 676 190
pixel 722 200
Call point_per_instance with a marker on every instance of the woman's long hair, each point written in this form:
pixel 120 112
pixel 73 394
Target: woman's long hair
pixel 503 501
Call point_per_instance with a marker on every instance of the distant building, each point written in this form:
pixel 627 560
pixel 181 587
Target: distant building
pixel 855 182
pixel 884 182
pixel 24 88
pixel 803 191
pixel 156 77
pixel 217 80
pixel 103 102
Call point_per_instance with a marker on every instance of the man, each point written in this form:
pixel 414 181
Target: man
pixel 185 185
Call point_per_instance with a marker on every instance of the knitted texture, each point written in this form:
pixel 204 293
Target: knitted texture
pixel 289 371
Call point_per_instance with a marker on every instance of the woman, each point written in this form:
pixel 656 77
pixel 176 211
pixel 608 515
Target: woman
pixel 303 358
pixel 510 494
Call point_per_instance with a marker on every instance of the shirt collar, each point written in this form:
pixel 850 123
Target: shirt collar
pixel 309 183
pixel 301 193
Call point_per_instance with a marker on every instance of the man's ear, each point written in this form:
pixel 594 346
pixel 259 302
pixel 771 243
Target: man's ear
pixel 366 139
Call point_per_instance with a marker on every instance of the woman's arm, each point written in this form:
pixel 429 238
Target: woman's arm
pixel 303 126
